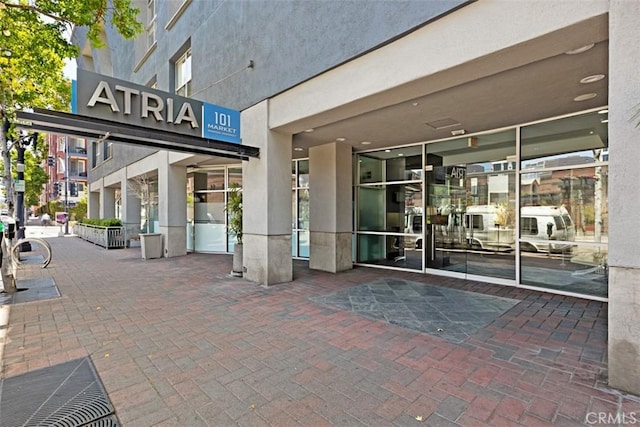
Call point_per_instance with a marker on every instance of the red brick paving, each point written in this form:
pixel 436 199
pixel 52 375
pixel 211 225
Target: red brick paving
pixel 177 342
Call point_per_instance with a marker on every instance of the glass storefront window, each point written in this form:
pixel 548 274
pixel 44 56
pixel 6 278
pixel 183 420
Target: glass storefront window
pixel 206 214
pixel 579 269
pixel 389 213
pixel 300 208
pixel 563 199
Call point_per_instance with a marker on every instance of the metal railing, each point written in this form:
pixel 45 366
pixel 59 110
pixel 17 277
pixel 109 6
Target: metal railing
pixel 107 237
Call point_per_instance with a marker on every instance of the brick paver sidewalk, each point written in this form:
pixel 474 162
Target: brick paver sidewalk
pixel 177 342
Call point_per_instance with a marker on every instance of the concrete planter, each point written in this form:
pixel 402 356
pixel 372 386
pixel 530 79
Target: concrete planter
pixel 151 245
pixel 237 261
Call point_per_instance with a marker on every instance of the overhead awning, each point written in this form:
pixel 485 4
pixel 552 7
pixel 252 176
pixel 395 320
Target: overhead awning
pixel 50 121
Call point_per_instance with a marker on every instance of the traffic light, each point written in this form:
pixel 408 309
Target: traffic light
pixel 73 189
pixel 56 187
pixel 51 161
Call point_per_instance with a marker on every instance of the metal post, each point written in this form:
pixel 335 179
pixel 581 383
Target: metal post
pixel 66 185
pixel 25 247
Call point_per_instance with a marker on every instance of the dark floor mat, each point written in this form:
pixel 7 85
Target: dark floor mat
pixel 448 313
pixel 31 290
pixel 69 394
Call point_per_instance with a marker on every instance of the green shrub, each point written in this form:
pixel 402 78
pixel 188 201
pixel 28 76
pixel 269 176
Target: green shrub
pixel 102 222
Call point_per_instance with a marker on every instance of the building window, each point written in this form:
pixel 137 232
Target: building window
pixel 151 23
pixel 108 150
pixel 95 153
pixel 183 74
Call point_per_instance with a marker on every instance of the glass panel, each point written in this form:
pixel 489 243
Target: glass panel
pixel 575 140
pixel 303 173
pixel 294 244
pixel 210 237
pixel 370 169
pixel 294 209
pixel 293 174
pixel 580 269
pixel 564 214
pixel 303 244
pixel 303 209
pixel 209 218
pixel 403 164
pixel 215 180
pixel 235 176
pixel 371 210
pixel 370 248
pixel 573 201
pixel 471 205
pixel 190 211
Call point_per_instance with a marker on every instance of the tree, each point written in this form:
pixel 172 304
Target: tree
pixel 141 187
pixel 36 179
pixel 33 48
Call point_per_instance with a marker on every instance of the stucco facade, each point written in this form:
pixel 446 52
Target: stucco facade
pixel 323 80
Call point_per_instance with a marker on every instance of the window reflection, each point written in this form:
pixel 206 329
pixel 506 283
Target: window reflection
pixel 580 269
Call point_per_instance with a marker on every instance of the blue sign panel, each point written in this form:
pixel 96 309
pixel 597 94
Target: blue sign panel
pixel 220 123
pixel 74 96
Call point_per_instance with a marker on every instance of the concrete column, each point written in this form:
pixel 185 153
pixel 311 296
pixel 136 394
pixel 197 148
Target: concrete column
pixel 172 207
pixel 330 207
pixel 266 201
pixel 624 175
pixel 131 208
pixel 108 202
pixel 93 204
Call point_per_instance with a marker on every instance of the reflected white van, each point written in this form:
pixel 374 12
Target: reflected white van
pixel 541 225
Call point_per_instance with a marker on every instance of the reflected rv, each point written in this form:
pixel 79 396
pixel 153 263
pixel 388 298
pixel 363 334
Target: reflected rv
pixel 488 227
pixel 541 224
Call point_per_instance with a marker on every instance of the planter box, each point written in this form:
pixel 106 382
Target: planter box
pixel 151 245
pixel 107 237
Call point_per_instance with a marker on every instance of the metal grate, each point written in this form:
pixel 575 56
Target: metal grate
pixel 69 394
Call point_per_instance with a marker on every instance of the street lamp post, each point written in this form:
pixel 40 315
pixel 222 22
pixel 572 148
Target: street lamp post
pixel 66 185
pixel 26 246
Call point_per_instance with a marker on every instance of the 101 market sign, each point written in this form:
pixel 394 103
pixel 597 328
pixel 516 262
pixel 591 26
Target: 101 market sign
pixel 103 97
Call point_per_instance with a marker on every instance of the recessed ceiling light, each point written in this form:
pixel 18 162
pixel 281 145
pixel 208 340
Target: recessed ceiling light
pixel 387 151
pixel 308 130
pixel 580 49
pixel 593 78
pixel 298 149
pixel 341 139
pixel 415 104
pixel 400 154
pixel 605 111
pixel 366 143
pixel 458 132
pixel 604 121
pixel 585 97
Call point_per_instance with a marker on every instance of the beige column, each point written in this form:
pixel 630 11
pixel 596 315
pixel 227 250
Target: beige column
pixel 131 209
pixel 266 201
pixel 93 204
pixel 330 207
pixel 624 205
pixel 108 202
pixel 172 206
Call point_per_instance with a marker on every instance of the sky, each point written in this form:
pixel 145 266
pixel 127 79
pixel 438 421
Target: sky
pixel 70 69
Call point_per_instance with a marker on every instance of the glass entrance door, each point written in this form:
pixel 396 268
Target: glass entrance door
pixel 470 206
